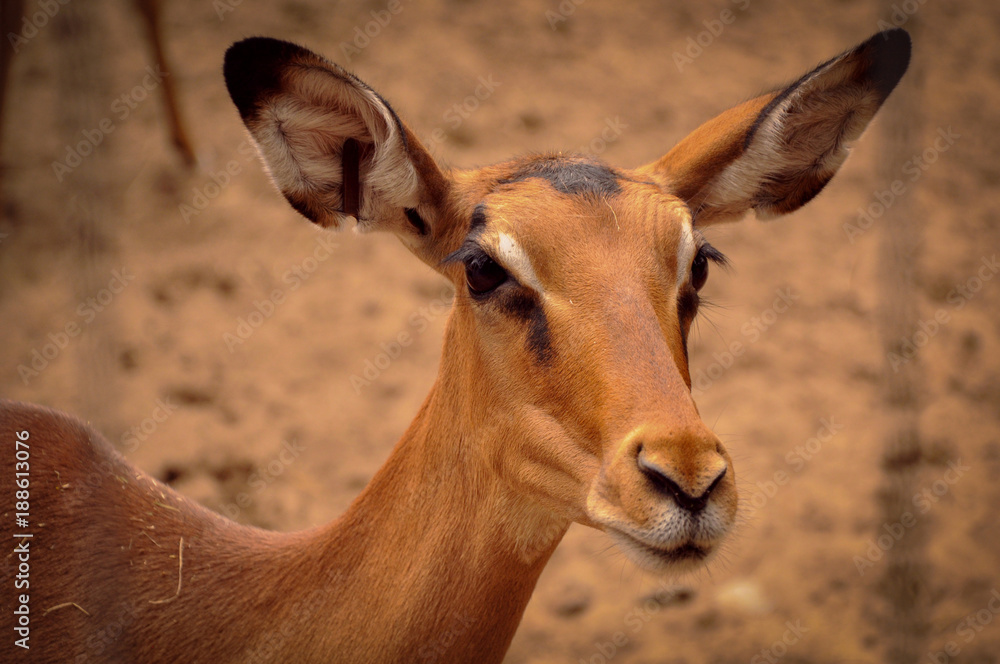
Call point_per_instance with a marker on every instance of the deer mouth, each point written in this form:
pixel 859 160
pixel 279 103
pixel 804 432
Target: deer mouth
pixel 685 556
pixel 671 541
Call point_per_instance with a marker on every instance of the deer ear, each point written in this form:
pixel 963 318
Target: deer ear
pixel 332 145
pixel 774 153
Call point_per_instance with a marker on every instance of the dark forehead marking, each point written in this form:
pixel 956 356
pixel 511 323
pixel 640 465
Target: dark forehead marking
pixel 570 175
pixel 478 218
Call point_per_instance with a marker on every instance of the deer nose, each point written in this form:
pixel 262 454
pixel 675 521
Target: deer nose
pixel 691 494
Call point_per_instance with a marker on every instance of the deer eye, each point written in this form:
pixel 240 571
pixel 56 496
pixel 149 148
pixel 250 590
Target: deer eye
pixel 699 271
pixel 483 274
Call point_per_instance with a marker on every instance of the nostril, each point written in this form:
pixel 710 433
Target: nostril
pixel 661 479
pixel 718 478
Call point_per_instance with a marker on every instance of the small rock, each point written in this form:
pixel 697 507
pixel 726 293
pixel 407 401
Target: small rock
pixel 573 600
pixel 669 596
pixel 744 595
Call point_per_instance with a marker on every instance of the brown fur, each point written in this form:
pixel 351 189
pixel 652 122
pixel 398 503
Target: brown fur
pixel 438 556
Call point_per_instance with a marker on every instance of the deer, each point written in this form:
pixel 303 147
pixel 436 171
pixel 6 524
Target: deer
pixel 563 394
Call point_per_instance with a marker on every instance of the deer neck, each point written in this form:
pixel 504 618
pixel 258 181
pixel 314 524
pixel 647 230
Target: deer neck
pixel 438 557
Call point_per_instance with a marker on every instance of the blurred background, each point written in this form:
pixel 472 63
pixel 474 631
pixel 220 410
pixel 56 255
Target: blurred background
pixel 154 283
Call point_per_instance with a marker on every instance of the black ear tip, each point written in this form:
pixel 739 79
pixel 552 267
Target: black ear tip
pixel 890 58
pixel 897 34
pixel 893 43
pixel 252 68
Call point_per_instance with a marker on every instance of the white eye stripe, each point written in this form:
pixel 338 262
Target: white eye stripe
pixel 686 249
pixel 513 258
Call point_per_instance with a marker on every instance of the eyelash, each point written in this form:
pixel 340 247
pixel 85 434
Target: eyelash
pixel 713 254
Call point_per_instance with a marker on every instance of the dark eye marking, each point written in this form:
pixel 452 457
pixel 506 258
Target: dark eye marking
pixel 484 276
pixel 527 307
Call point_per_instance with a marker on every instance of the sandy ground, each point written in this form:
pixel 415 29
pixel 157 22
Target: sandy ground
pixel 802 411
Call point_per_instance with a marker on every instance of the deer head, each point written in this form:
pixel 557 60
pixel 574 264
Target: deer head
pixel 565 366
